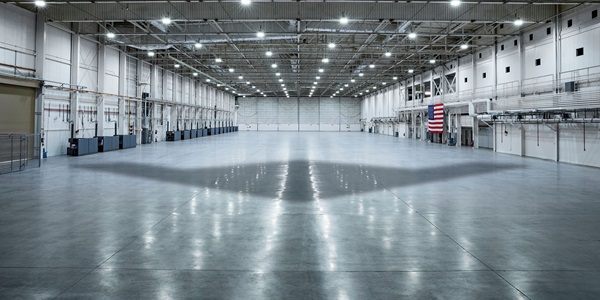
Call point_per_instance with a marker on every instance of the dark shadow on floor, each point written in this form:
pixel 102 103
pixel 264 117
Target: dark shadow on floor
pixel 300 180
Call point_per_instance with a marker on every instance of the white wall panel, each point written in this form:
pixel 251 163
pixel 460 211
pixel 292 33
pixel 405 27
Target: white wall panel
pixel 288 114
pixel 17 37
pixel 131 77
pixel 575 149
pixel 509 139
pixel 309 114
pixel 88 67
pixel 329 114
pixel 539 141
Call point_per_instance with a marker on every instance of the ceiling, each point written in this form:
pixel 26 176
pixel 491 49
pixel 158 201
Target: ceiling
pixel 298 34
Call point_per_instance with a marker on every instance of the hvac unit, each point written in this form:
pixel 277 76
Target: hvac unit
pixel 570 86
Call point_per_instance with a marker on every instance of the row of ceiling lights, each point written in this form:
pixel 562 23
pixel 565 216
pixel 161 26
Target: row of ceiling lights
pixel 261 34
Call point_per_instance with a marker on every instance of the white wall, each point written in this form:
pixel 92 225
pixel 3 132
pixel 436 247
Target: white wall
pixel 299 114
pixel 121 78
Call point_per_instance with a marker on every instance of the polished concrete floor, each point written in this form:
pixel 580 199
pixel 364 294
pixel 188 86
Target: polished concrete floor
pixel 300 216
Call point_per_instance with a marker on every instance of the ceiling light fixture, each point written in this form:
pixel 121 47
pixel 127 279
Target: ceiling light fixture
pixel 177 66
pixel 346 85
pixel 218 60
pixel 280 80
pixel 241 77
pixel 110 35
pixel 151 53
pixel 410 71
pixel 195 74
pixel 455 3
pixel 383 83
pixel 464 46
pixel 518 22
pixel 269 53
pixel 315 83
pixel 245 2
pixel 248 82
pixel 207 80
pixel 361 74
pixel 395 78
pixel 344 20
pixel 260 34
pixel 321 70
pixel 325 60
pixel 166 21
pixel 412 35
pixel 231 70
pixel 331 45
pixel 198 45
pixel 318 77
pixel 274 66
pixel 371 66
pixel 277 74
pixel 432 61
pixel 388 54
pixel 40 3
pixel 352 80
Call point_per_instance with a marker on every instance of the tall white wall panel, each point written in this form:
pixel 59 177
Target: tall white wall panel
pixel 288 114
pixel 17 38
pixel 329 114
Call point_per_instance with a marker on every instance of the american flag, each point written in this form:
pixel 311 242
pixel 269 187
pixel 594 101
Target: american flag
pixel 435 118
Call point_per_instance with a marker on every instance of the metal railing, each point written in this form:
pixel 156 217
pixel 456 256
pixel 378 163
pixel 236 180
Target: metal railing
pixel 19 152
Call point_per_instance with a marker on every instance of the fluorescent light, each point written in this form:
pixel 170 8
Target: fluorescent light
pixel 318 77
pixel 260 34
pixel 277 74
pixel 269 53
pixel 315 83
pixel 432 61
pixel 518 22
pixel 464 46
pixel 245 2
pixel 151 53
pixel 40 3
pixel 248 82
pixel 241 77
pixel 280 80
pixel 207 80
pixel 360 93
pixel 331 45
pixel 352 80
pixel 325 60
pixel 371 66
pixel 258 90
pixel 166 21
pixel 383 83
pixel 388 54
pixel 284 89
pixel 411 71
pixel 344 20
pixel 195 74
pixel 395 78
pixel 274 66
pixel 227 89
pixel 218 84
pixel 231 70
pixel 110 35
pixel 283 84
pixel 455 2
pixel 361 74
pixel 198 45
pixel 177 66
pixel 321 70
pixel 218 60
pixel 346 85
pixel 253 86
pixel 412 35
pixel 341 89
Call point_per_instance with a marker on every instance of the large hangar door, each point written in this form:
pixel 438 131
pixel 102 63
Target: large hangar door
pixel 17 109
pixel 329 114
pixel 308 112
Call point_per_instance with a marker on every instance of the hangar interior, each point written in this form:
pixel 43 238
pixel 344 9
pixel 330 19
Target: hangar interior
pixel 285 149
